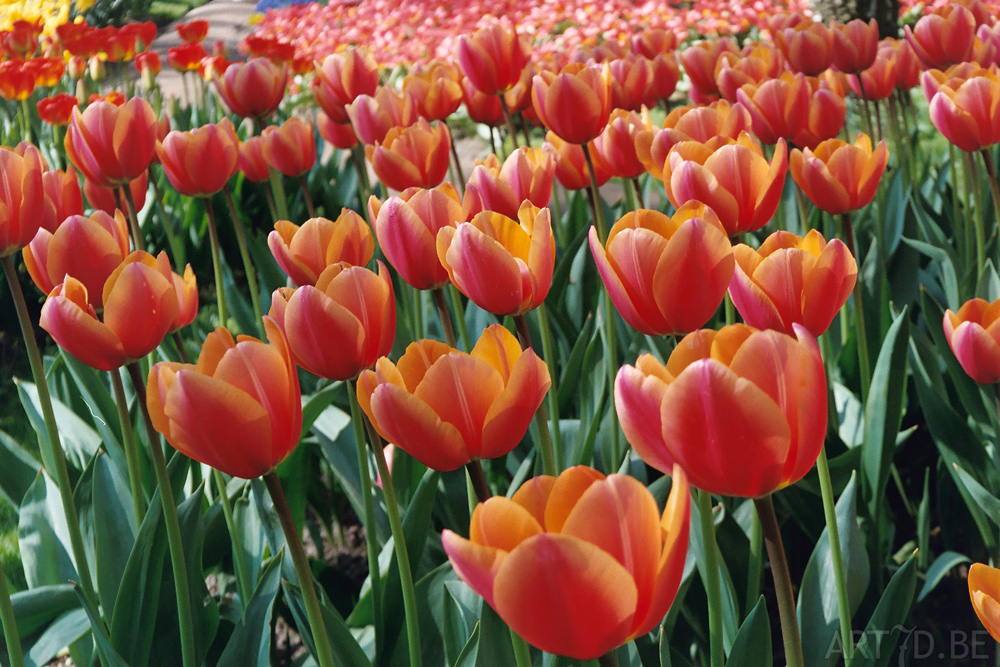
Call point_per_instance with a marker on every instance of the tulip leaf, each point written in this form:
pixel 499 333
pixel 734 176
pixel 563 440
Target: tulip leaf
pixel 43 536
pixel 495 649
pixel 875 648
pixel 251 536
pixel 36 607
pixel 346 649
pixel 937 571
pixel 250 643
pixel 313 405
pixel 817 604
pixel 109 656
pixel 470 652
pixel 948 276
pixel 851 415
pixel 18 470
pixel 986 501
pixel 114 528
pixel 752 646
pixel 884 409
pixel 94 391
pixel 67 629
pixel 988 286
pixel 79 440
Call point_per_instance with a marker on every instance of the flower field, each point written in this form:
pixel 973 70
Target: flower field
pixel 697 364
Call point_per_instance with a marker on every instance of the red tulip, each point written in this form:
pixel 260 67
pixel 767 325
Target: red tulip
pixel 112 145
pixel 291 148
pixel 575 102
pixel 973 333
pixel 414 156
pixel 253 89
pixel 526 174
pixel 943 38
pixel 62 197
pixel 200 162
pixel 304 252
pixel 22 197
pixel 342 78
pixel 492 58
pixel 855 45
pixel 839 177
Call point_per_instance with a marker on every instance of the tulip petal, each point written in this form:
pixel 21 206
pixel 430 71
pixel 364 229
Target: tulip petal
pixel 638 401
pixel 475 564
pixel 413 426
pixel 503 524
pixel 566 491
pixel 514 407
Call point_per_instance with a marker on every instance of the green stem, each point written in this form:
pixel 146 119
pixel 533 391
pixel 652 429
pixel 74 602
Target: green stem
pixel 270 204
pixel 631 199
pixel 859 311
pixel 541 418
pixel 713 587
pixel 755 567
pixel 511 130
pixel 482 489
pixel 174 542
pixel 56 457
pixel 596 194
pixel 402 551
pixel 782 581
pixel 371 530
pixel 868 114
pixel 548 348
pixel 839 574
pixel 133 217
pixel 304 186
pixel 248 267
pixel 324 652
pixel 800 200
pixel 454 155
pixel 456 305
pixel 522 655
pixel 10 635
pixel 444 315
pixel 176 246
pixel 638 192
pixel 994 189
pixel 977 196
pixel 278 187
pixel 213 237
pixel 242 579
pixel 364 185
pixel 131 452
pixel 26 127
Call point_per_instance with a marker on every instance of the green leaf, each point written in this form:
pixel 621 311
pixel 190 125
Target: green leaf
pixel 752 646
pixel 346 649
pixel 67 629
pixel 18 469
pixel 470 652
pixel 495 649
pixel 204 609
pixel 93 388
pixel 882 632
pixel 43 536
pixel 109 656
pixel 817 604
pixel 79 440
pixel 937 571
pixel 314 405
pixel 250 643
pixel 989 283
pixel 114 529
pixel 35 607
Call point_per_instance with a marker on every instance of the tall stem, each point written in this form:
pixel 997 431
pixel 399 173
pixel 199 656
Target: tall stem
pixel 364 186
pixel 541 418
pixel 278 188
pixel 304 186
pixel 756 565
pixel 511 130
pixel 248 267
pixel 522 655
pixel 10 634
pixel 53 446
pixel 782 581
pixel 27 120
pixel 324 652
pixel 864 103
pixel 213 237
pixel 454 155
pixel 133 217
pixel 859 311
pixel 242 579
pixel 595 192
pixel 176 246
pixel 463 329
pixel 631 194
pixel 269 198
pixel 131 451
pixel 482 489
pixel 839 575
pixel 994 189
pixel 713 587
pixel 972 179
pixel 638 192
pixel 174 543
pixel 442 308
pixel 548 348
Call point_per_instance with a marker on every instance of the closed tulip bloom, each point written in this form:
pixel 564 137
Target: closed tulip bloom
pixel 192 31
pixel 112 145
pixel 140 308
pixel 666 275
pixel 58 109
pixel 253 89
pixel 986 51
pixel 825 114
pixel 414 156
pixel 579 564
pixel 338 135
pixel 653 42
pixel 304 252
pixel 22 197
pixel 943 38
pixel 407 227
pixel 342 78
pixel 503 266
pixel 103 199
pixel 17 81
pixel 239 409
pixel 575 102
pixel 742 411
pixel 808 47
pixel 755 65
pixel 617 144
pixel 445 407
pixel 87 248
pixel 855 45
pixel 792 280
pixel 933 80
pixel 148 64
pixel 731 177
pixel 63 197
pixel 435 89
pixel 186 57
pixel 492 58
pixel 689 123
pixel 482 108
pixel 198 163
pixel 777 107
pixel 839 177
pixel 984 591
pixel 664 73
pixel 968 117
pixel 526 174
pixel 973 334
pixel 186 287
pixel 291 148
pixel 353 308
pixel 629 79
pixel 250 160
pixel 699 62
pixel 373 116
pixel 571 164
pixel 878 82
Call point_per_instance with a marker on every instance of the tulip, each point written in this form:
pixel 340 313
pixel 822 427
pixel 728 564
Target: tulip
pixel 579 564
pixel 943 38
pixel 87 248
pixel 492 58
pixel 629 78
pixel 251 162
pixel 482 108
pixel 342 78
pixel 792 280
pixel 200 162
pixel 446 408
pixel 518 97
pixel 503 266
pixel 574 103
pixel 689 123
pixel 967 116
pixel 699 61
pixel 192 31
pixel 103 199
pixel 22 197
pixel 651 42
pixel 57 110
pixel 304 252
pixel 731 177
pixel 338 135
pixel 253 89
pixel 186 288
pixel 436 90
pixel 140 307
pixel 839 177
pixel 974 337
pixel 907 65
pixel 855 45
pixel 407 227
pixel 664 73
pixel 777 107
pixel 571 164
pixel 373 117
pixel 825 114
pixel 48 71
pixel 754 66
pixel 526 174
pixel 808 47
pixel 616 144
pixel 414 156
pixel 984 590
pixel 353 308
pixel 186 57
pixel 878 81
pixel 112 145
pixel 239 409
pixel 62 197
pixel 742 411
pixel 16 81
pixel 291 148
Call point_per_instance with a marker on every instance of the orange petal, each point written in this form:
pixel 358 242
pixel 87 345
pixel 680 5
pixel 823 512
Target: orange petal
pixel 475 564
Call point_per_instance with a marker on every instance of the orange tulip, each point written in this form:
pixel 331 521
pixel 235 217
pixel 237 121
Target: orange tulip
pixel 825 114
pixel 192 31
pixel 855 45
pixel 571 164
pixel 482 108
pixel 617 144
pixel 253 89
pixel 653 42
pixel 200 162
pixel 699 62
pixel 839 177
pixel 943 38
pixel 792 280
pixel 140 308
pixel 239 409
pixel 731 177
pixel 664 73
pixel 407 227
pixel 808 47
pixel 973 334
pixel 575 102
pixel 304 252
pixel 373 116
pixel 22 197
pixel 526 174
pixel 777 107
pixel 579 564
pixel 58 109
pixel 62 197
pixel 503 266
pixel 103 199
pixel 878 81
pixel 967 116
pixel 291 148
pixel 112 145
pixel 664 274
pixel 742 411
pixel 984 590
pixel 629 78
pixel 492 58
pixel 414 156
pixel 251 162
pixel 342 78
pixel 87 248
pixel 338 135
pixel 445 407
pixel 435 89
pixel 752 65
pixel 355 310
